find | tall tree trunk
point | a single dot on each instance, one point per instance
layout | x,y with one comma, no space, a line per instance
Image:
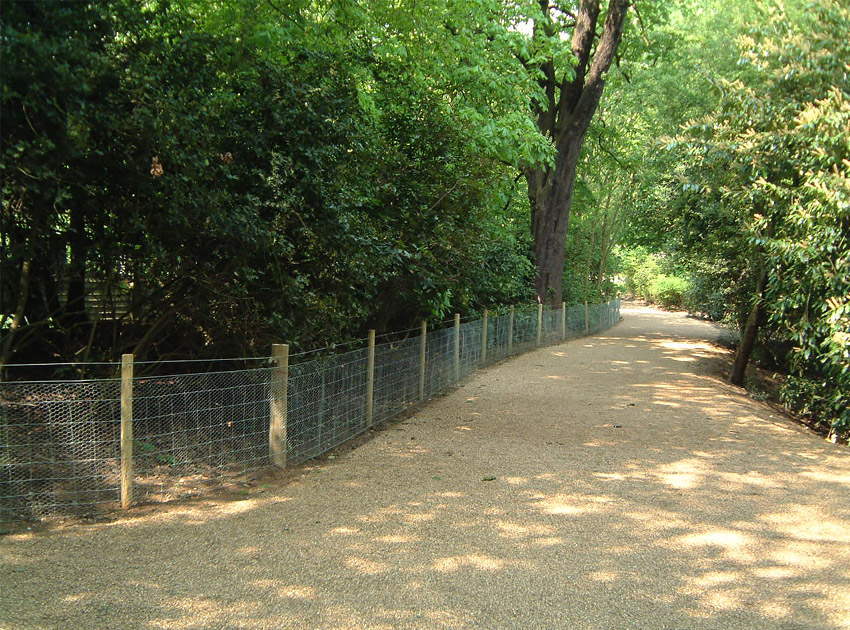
551,194
565,119
606,240
23,295
751,329
7,348
75,304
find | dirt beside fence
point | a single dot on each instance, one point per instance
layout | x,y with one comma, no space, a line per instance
609,482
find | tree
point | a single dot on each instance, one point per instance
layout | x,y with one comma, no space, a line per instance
525,78
772,160
572,96
193,179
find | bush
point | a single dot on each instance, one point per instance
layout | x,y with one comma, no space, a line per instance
638,268
668,291
704,298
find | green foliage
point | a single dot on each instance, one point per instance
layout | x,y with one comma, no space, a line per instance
653,277
190,179
195,179
709,293
639,268
669,291
799,151
771,163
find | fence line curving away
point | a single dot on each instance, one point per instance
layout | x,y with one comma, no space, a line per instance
78,447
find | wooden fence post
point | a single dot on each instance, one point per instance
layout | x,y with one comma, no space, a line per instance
511,330
278,404
423,332
484,339
321,412
370,377
126,431
539,322
457,346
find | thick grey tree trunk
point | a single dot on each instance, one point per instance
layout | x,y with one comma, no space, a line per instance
565,119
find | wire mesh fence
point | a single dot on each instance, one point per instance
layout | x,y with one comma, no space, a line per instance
61,444
197,426
326,404
59,448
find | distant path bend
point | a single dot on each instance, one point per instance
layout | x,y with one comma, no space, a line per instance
611,482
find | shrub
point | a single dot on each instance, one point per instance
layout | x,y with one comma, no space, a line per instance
638,268
704,298
668,291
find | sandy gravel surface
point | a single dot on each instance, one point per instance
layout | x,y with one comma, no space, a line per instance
610,482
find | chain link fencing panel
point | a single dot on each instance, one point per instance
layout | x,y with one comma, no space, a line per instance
396,378
60,440
551,332
525,329
498,327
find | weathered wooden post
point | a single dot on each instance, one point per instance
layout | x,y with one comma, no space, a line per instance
423,332
126,431
484,339
511,330
370,377
321,411
539,322
457,346
278,404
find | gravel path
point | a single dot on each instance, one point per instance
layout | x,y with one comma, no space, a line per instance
610,482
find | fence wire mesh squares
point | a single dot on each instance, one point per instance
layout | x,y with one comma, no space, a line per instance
498,328
439,360
470,347
525,329
396,377
196,427
327,404
59,447
551,330
575,320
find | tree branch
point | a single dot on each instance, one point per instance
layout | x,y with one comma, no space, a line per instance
613,156
284,14
581,45
612,33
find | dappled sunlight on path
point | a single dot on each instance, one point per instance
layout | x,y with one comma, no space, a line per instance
610,482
